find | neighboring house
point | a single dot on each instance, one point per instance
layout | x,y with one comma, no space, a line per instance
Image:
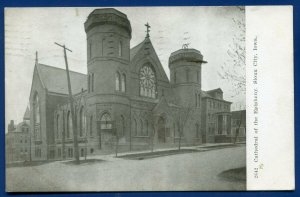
125,90
216,116
17,141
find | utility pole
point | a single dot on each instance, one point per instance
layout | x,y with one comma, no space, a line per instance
72,104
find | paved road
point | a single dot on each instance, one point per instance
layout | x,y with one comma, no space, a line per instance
191,171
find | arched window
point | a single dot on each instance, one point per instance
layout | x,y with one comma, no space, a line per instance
91,125
106,121
36,108
57,126
120,49
36,116
82,122
69,124
123,83
117,81
147,82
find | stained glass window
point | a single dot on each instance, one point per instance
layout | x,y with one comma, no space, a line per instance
147,82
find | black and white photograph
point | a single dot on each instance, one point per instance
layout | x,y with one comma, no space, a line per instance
125,99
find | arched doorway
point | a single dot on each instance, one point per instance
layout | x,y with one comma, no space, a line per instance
161,134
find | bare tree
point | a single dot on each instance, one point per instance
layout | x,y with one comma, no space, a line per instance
233,70
117,140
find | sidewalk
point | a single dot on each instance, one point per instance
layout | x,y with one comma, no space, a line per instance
200,148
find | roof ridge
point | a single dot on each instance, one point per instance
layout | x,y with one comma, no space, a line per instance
58,68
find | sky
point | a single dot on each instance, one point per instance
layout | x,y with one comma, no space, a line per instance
27,30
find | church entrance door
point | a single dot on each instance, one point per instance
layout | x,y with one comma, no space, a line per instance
161,130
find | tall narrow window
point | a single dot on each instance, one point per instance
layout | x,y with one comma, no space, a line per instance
57,126
82,122
141,128
36,114
147,82
123,83
198,76
118,81
36,109
199,99
196,98
120,49
69,124
147,128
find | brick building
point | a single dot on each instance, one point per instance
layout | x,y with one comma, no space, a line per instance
125,91
17,140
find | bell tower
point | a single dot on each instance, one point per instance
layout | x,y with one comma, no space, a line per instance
108,49
185,67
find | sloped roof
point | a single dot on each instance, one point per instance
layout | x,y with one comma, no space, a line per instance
206,94
215,90
135,50
55,79
27,114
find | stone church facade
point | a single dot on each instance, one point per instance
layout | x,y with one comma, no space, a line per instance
125,95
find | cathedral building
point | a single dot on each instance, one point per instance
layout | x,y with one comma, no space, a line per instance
125,96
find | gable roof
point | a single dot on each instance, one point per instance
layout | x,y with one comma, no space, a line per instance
135,50
26,114
215,90
146,44
55,79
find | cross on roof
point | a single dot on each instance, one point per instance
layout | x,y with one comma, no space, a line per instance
148,29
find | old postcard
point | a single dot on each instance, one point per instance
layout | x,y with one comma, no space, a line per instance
149,99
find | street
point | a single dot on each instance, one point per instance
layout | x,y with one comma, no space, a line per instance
189,171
